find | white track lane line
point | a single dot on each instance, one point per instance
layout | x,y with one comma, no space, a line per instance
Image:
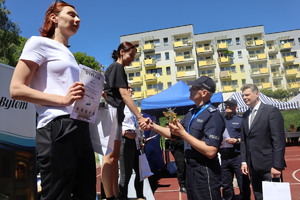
294,175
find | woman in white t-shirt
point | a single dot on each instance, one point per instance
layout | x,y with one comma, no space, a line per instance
47,75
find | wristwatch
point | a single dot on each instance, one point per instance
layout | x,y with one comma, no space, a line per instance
238,141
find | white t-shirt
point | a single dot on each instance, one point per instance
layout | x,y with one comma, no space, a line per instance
57,71
130,123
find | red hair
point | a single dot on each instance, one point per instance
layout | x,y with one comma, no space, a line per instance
48,28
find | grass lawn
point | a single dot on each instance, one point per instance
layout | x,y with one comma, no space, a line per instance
291,117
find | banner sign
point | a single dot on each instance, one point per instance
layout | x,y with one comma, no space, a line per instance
17,118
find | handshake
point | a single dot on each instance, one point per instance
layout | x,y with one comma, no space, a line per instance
173,129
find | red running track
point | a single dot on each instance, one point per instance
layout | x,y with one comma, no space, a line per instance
168,188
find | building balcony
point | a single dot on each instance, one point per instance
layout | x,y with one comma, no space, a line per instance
204,50
237,75
266,85
150,77
291,72
135,80
135,66
206,63
182,75
222,46
151,92
229,88
224,60
260,72
180,45
148,47
293,85
273,49
184,59
138,95
277,87
211,75
277,75
149,62
255,43
274,62
225,75
289,59
286,46
257,57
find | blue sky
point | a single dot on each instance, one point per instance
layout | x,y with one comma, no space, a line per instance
104,21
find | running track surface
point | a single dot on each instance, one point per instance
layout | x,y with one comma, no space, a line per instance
168,188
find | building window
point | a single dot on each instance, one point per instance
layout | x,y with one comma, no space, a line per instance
166,41
167,55
229,68
156,43
168,69
137,89
130,75
243,81
154,71
169,84
237,41
158,86
228,41
287,41
242,68
189,68
240,54
157,57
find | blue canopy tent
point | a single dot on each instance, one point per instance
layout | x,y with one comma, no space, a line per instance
175,97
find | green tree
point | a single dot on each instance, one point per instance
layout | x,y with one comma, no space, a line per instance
281,94
88,61
267,92
9,37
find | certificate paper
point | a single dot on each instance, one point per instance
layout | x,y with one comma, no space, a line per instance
85,109
224,144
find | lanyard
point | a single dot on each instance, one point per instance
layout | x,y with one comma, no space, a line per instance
196,115
134,120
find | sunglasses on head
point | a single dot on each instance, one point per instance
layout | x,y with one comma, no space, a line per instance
54,5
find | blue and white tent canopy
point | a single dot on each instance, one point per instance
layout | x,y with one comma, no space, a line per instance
242,107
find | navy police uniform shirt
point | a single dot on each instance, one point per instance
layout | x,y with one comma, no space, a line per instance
208,126
234,125
234,128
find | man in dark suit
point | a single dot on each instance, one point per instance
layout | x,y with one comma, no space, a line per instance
263,140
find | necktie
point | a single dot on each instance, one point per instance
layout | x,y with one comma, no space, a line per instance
252,116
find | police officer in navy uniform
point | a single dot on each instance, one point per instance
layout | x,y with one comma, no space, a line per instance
201,129
231,155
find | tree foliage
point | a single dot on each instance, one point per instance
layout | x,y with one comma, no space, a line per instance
9,37
279,94
88,61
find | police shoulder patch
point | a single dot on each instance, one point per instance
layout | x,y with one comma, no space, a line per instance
211,109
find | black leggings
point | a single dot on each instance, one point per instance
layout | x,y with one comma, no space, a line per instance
129,159
66,160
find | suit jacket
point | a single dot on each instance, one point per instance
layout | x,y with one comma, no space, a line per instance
263,144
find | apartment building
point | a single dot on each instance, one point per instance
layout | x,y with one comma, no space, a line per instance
231,57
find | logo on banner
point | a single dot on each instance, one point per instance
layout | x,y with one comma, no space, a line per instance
12,104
